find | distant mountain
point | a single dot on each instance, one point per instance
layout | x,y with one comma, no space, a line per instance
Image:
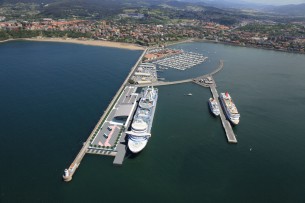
101,8
228,4
289,10
221,11
26,1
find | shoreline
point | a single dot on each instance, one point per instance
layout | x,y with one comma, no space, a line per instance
231,44
119,45
7,40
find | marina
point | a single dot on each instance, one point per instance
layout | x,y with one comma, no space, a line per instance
181,61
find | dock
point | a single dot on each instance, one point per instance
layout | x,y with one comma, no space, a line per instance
208,81
121,151
225,123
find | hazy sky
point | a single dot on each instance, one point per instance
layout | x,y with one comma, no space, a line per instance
276,2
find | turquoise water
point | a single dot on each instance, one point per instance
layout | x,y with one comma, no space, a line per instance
53,94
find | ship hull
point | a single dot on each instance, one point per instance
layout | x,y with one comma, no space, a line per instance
213,111
227,113
137,146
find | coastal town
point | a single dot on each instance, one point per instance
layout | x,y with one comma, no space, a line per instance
252,33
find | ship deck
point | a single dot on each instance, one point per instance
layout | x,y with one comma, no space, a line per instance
231,106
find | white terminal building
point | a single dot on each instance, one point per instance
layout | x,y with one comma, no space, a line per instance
145,73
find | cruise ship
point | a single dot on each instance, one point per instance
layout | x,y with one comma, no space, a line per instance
142,121
229,108
214,107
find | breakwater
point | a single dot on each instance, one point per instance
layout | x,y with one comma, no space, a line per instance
76,162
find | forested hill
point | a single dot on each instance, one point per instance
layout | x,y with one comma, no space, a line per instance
105,8
155,11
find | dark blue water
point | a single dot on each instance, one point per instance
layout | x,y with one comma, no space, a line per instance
53,94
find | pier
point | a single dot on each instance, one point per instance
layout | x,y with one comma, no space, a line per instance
225,123
208,81
121,151
198,80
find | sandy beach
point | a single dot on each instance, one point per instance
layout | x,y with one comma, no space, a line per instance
7,40
86,42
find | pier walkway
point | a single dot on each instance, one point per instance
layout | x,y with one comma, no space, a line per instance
225,123
195,80
121,151
162,83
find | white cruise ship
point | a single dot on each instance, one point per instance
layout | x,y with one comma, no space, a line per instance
142,122
229,108
214,107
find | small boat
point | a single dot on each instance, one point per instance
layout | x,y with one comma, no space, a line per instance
214,107
189,94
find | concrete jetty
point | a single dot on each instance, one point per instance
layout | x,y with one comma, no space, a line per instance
162,83
121,151
196,80
225,123
208,81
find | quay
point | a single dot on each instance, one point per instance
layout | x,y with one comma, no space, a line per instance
208,81
69,172
225,123
121,151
